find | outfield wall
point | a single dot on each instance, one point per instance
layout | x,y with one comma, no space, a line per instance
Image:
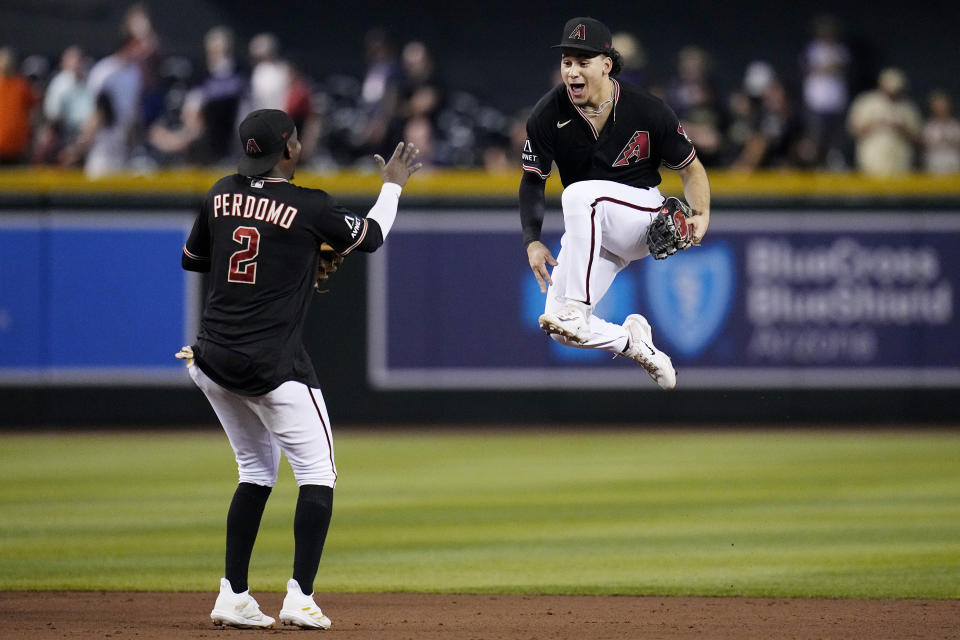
832,303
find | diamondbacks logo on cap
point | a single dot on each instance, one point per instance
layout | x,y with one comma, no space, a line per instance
579,33
252,147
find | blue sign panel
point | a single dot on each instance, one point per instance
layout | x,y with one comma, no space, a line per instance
775,299
90,299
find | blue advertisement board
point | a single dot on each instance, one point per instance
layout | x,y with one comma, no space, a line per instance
775,299
94,299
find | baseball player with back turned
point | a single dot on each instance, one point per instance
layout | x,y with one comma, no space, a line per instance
608,140
261,239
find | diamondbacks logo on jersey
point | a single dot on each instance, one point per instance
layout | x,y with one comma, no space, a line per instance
252,147
638,148
579,33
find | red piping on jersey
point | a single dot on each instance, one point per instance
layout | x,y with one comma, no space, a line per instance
326,433
593,236
626,204
363,233
616,98
192,256
272,179
536,171
593,244
686,161
593,129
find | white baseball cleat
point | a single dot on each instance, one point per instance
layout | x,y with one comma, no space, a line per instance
572,322
642,351
238,609
300,610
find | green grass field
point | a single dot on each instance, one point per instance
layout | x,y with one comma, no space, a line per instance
806,513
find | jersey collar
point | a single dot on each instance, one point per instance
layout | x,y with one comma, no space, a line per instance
613,114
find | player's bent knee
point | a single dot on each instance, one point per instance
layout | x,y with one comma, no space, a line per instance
577,198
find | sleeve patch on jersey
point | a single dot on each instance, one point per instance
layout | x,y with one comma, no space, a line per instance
528,155
353,224
363,234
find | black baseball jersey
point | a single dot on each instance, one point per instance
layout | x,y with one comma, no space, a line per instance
259,238
640,133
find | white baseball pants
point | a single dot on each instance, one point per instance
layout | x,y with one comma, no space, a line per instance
605,229
292,418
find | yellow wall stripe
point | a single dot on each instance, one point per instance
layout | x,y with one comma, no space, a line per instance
470,183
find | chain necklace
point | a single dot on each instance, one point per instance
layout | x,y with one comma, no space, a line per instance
600,109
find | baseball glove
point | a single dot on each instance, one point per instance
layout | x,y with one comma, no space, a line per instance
669,231
327,264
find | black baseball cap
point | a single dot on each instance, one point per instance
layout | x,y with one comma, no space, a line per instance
263,136
585,34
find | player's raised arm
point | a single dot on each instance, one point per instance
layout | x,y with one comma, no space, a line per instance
395,173
402,164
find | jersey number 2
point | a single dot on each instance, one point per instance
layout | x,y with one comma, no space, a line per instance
243,263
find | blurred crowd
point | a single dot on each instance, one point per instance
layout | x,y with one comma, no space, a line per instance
141,108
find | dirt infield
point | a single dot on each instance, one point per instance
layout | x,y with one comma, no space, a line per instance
89,615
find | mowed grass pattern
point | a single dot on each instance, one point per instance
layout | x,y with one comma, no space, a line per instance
758,513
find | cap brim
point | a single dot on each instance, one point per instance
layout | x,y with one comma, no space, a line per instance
580,48
250,166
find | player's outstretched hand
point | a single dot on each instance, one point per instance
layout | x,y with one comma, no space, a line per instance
539,256
402,164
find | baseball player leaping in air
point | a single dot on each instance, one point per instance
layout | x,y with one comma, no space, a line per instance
608,140
262,240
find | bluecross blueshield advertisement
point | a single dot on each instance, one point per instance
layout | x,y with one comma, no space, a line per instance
772,299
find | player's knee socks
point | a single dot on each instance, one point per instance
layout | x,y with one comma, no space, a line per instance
310,524
243,522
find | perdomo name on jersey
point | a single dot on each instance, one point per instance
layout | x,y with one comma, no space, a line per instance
246,206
